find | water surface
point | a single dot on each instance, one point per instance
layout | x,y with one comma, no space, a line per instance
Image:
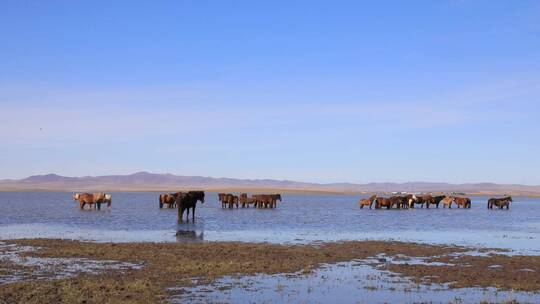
300,218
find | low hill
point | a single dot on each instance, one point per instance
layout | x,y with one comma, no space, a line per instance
144,181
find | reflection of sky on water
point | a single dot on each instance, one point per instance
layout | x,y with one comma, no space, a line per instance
350,282
298,219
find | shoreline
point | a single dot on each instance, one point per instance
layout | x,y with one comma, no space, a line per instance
169,265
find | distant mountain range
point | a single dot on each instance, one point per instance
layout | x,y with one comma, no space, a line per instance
144,181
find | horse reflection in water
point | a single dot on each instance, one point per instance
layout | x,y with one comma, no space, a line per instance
188,235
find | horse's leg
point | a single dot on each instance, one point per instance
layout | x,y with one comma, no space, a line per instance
193,213
81,204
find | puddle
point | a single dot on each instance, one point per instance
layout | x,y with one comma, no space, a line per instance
351,282
35,268
401,259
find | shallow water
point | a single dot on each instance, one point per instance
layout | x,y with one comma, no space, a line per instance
38,268
300,218
351,282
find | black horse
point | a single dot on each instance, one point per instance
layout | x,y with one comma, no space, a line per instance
435,200
500,202
188,200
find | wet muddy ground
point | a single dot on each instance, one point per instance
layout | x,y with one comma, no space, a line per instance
49,270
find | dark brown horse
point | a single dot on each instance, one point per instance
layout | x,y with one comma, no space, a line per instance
464,202
398,202
275,198
435,200
367,201
419,200
500,202
403,202
186,201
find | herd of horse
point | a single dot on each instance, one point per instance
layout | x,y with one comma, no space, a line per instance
257,200
186,201
410,200
93,199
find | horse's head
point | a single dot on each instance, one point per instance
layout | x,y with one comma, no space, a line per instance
197,195
108,198
201,196
278,197
76,196
510,199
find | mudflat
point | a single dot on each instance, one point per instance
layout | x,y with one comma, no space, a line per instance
168,265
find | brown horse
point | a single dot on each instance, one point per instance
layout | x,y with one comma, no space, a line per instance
367,201
92,199
500,202
230,200
257,200
447,201
269,200
245,201
462,202
383,202
221,198
168,199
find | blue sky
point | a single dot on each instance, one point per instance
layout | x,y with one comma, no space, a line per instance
321,91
